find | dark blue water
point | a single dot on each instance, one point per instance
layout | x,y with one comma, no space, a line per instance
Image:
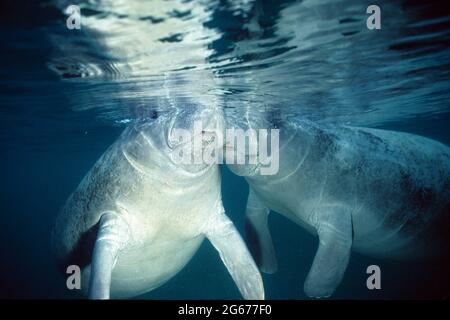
66,95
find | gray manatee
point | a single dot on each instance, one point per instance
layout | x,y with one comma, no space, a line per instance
137,217
378,192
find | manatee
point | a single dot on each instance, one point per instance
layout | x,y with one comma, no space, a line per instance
381,193
138,216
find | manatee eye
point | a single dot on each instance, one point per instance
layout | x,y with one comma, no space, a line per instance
153,114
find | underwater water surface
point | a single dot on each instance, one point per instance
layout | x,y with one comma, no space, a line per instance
66,95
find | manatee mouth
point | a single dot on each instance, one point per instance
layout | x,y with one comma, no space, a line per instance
194,150
251,164
255,169
210,137
205,142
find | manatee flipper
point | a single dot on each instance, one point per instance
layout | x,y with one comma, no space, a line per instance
233,252
112,236
258,234
334,227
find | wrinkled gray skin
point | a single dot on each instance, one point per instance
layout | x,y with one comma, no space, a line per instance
381,193
137,217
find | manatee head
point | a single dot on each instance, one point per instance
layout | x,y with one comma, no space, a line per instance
252,148
185,137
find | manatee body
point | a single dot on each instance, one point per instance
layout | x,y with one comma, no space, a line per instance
138,217
381,193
